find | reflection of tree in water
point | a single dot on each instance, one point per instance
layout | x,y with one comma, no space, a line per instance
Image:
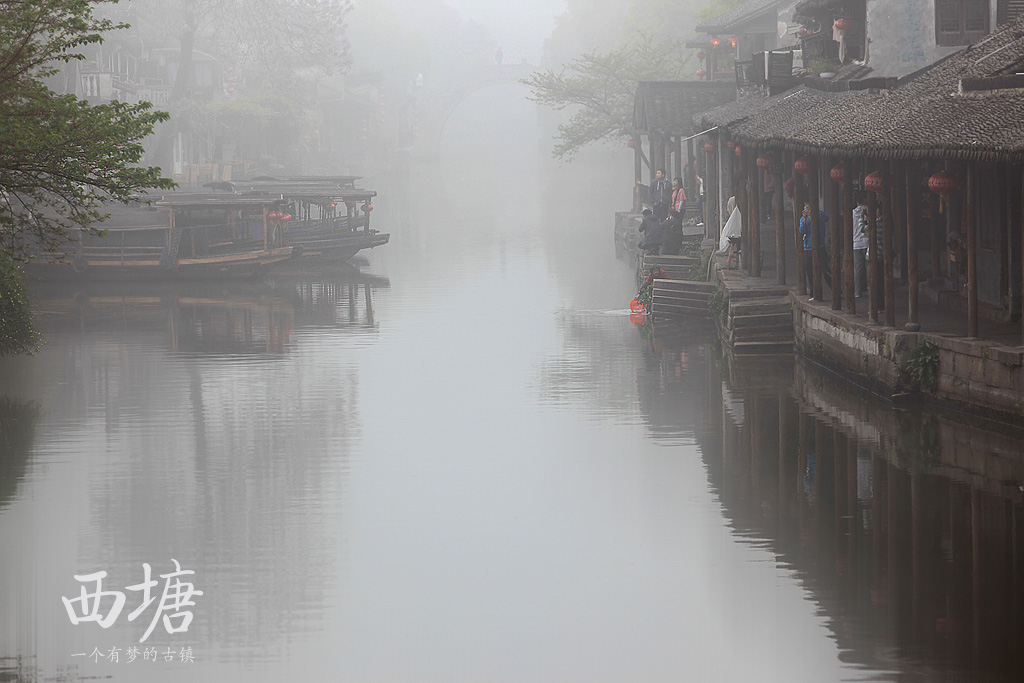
223,455
18,421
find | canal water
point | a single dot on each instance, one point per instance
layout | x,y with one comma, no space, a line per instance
461,461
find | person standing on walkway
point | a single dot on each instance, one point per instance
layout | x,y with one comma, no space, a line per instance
808,251
660,195
860,246
678,198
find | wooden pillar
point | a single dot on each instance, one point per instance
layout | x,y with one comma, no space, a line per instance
653,155
755,214
678,151
972,251
938,235
912,324
1021,214
1005,190
874,267
887,247
836,232
817,248
798,205
898,188
638,170
742,202
780,224
848,278
266,241
690,178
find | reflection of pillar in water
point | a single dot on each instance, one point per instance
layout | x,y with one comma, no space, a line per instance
852,510
352,302
369,305
976,540
916,543
801,471
785,416
879,517
899,543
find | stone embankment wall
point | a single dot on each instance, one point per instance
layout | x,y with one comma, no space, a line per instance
981,377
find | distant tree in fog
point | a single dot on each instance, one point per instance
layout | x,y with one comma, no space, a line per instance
281,39
598,89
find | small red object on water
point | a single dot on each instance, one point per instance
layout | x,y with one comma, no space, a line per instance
637,318
636,306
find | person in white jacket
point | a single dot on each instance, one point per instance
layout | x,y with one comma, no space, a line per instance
860,246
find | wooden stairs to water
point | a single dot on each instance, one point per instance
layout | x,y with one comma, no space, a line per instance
760,321
677,267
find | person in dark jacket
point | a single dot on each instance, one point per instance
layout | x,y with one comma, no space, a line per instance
672,233
660,195
652,230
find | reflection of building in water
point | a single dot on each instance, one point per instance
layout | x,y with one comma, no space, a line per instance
907,528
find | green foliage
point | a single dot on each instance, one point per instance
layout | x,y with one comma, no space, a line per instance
922,368
17,335
61,159
821,66
718,304
600,88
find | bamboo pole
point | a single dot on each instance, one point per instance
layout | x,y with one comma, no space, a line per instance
887,248
912,324
816,235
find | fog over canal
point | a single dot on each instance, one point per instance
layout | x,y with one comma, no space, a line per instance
464,463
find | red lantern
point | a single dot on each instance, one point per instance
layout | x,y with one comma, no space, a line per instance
841,25
709,147
731,144
873,182
802,165
764,161
700,55
837,173
943,183
790,187
367,207
716,42
734,40
631,143
738,151
286,217
701,73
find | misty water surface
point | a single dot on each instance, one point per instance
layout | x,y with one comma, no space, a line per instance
463,464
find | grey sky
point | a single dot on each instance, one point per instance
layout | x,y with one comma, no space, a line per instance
520,26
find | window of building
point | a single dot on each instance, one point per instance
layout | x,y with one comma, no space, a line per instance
1008,10
960,22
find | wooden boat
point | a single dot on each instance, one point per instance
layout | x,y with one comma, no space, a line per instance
181,236
326,219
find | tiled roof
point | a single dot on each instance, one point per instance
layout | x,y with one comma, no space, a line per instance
670,106
925,117
728,21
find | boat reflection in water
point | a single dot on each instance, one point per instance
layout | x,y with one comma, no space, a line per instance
906,527
214,318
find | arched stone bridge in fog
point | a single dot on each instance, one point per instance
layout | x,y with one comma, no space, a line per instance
438,99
